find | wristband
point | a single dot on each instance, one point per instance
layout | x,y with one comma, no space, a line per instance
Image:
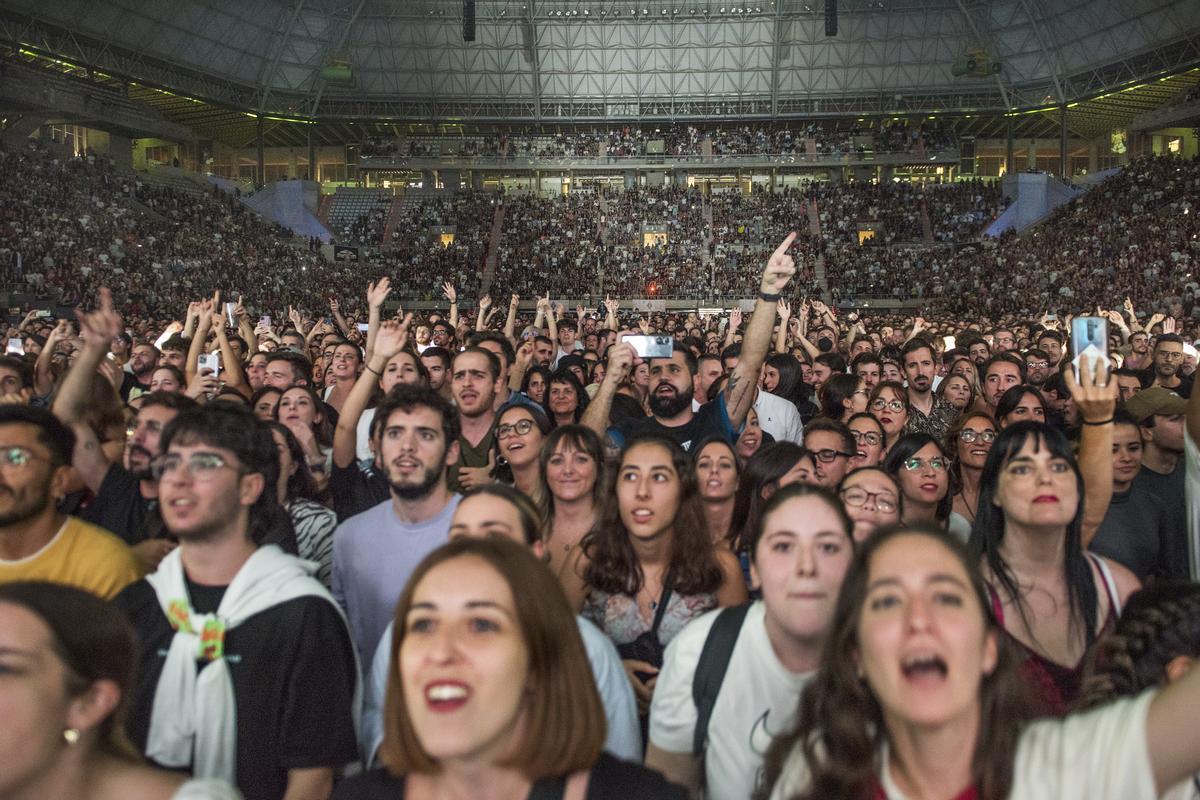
770,298
377,372
1099,421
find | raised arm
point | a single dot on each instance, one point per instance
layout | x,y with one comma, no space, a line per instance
521,364
203,324
43,377
1096,404
235,375
735,322
451,294
510,322
377,293
335,308
97,329
620,362
785,315
245,328
551,322
739,393
610,307
481,318
389,341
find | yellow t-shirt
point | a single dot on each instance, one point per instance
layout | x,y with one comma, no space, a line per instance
80,555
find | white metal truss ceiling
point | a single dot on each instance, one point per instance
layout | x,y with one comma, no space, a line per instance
568,60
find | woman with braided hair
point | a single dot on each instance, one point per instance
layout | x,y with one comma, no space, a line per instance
1156,642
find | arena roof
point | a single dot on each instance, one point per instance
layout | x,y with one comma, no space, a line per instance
215,64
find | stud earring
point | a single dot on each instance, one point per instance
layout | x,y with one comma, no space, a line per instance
71,735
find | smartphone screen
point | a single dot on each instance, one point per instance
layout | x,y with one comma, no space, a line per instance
1089,337
652,346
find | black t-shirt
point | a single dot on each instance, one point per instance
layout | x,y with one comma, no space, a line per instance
1134,534
711,420
611,779
129,383
1184,389
293,674
355,489
119,507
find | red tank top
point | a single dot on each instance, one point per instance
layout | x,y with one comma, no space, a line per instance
1055,687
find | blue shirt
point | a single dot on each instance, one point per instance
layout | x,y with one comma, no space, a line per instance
373,555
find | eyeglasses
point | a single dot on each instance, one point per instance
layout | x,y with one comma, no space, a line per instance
1036,364
1169,356
827,455
969,436
202,467
914,464
854,496
16,457
516,429
881,404
870,437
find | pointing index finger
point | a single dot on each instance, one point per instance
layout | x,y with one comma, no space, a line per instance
783,248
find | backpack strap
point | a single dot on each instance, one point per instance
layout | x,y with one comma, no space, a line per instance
712,666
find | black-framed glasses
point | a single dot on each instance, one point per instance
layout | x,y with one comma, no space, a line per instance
828,454
518,428
870,437
858,497
1036,364
969,436
914,464
201,467
880,404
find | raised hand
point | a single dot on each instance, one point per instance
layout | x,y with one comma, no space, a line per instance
785,310
620,362
100,327
294,316
1170,326
334,306
735,319
239,310
378,292
449,292
514,301
1129,307
392,337
780,268
1095,399
611,306
485,303
644,326
579,313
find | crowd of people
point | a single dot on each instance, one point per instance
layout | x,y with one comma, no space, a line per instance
263,536
827,137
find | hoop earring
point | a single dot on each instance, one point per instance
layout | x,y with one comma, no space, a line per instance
71,736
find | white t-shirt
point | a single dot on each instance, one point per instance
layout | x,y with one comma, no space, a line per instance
757,701
779,417
1100,755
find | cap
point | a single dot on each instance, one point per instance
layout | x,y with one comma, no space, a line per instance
1154,401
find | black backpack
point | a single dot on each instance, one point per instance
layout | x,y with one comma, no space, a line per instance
711,668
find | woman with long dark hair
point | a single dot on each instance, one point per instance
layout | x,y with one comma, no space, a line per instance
536,383
1053,600
571,471
313,522
767,471
843,396
921,470
889,405
649,566
717,472
520,430
919,694
1021,403
968,442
